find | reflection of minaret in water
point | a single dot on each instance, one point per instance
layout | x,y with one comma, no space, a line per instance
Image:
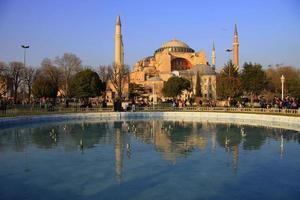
128,150
281,146
227,143
118,154
235,156
81,145
214,138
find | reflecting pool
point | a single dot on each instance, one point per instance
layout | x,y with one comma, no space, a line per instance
152,159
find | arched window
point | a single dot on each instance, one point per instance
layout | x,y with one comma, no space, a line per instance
180,64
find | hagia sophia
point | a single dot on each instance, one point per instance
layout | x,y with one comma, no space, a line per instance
174,58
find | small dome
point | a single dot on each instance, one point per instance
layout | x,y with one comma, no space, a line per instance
175,46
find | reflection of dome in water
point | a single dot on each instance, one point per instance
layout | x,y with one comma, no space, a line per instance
175,46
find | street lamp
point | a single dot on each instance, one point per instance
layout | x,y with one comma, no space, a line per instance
282,83
229,71
228,51
25,47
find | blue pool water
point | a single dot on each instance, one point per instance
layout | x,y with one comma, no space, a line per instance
152,159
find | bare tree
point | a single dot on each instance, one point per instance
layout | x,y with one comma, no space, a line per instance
16,74
51,73
69,64
29,73
105,72
118,78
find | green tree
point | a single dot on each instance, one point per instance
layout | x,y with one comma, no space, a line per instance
135,90
293,86
87,84
175,85
230,70
254,79
228,81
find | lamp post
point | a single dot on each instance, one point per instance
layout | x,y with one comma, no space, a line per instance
229,71
228,51
282,84
25,47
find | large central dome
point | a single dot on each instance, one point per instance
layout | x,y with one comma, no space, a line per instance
175,46
174,43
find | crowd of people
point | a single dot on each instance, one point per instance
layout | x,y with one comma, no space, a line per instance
286,103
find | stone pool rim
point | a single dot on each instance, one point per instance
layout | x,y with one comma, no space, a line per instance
264,120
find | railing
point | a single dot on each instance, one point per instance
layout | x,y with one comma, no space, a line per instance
224,109
61,110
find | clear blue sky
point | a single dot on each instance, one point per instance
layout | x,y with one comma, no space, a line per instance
269,30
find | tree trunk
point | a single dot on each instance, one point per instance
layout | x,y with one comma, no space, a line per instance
15,93
119,89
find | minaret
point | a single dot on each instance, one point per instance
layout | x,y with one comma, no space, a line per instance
213,57
236,48
118,43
